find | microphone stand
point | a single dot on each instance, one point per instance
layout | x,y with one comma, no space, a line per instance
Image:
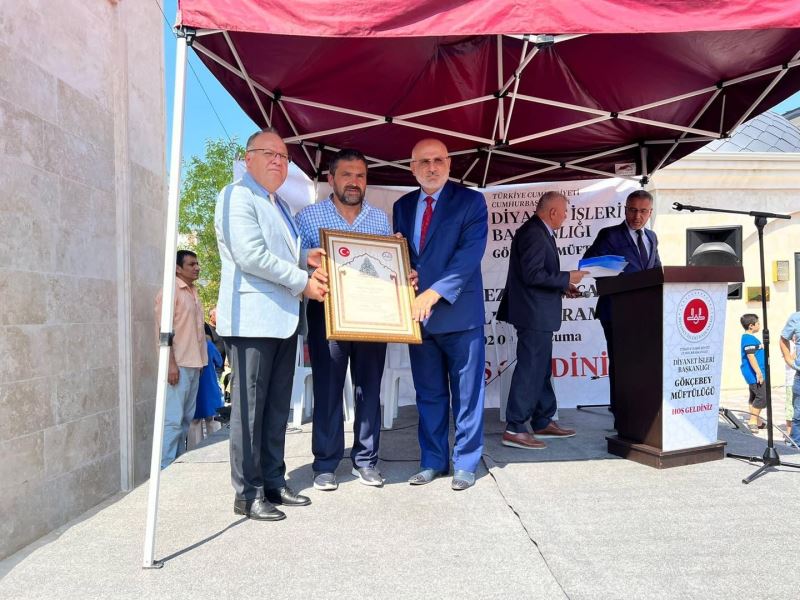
770,459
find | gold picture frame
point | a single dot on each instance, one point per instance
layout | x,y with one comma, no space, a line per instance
370,298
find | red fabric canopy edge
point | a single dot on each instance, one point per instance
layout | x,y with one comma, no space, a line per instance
415,18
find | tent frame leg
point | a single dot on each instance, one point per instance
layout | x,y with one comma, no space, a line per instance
184,40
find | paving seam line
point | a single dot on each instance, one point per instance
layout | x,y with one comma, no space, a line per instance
489,464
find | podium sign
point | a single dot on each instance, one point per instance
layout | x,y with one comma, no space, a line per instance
668,330
694,328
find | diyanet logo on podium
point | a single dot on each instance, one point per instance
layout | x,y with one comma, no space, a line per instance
695,315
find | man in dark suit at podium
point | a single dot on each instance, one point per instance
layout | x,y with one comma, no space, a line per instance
638,245
532,304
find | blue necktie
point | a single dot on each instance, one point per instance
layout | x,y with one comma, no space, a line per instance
642,249
285,215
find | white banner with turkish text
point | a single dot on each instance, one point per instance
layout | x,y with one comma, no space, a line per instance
580,362
694,328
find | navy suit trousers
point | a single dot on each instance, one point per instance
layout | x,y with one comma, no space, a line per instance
531,396
329,360
448,369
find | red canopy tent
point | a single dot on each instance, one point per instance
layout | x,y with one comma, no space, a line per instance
519,91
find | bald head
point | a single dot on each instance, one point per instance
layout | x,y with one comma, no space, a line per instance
430,164
552,209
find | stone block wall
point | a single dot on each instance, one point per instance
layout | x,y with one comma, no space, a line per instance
81,236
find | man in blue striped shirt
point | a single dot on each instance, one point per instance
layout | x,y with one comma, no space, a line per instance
344,210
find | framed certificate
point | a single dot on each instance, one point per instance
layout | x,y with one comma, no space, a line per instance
370,297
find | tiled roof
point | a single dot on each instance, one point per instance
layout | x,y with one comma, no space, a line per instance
768,132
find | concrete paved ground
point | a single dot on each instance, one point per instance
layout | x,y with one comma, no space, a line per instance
570,521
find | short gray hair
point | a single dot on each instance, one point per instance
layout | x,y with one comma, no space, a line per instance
547,199
252,138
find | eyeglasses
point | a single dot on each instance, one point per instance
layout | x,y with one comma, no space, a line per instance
638,211
426,163
270,155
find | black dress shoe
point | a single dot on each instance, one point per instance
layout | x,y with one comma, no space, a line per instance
286,497
258,509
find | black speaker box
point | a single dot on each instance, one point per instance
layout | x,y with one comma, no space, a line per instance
716,247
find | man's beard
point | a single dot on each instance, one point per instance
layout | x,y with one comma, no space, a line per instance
341,195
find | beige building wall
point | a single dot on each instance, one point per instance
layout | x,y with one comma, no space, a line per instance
81,237
746,181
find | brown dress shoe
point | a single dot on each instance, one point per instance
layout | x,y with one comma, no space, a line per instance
522,440
554,431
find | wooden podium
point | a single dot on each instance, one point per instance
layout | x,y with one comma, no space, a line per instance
668,328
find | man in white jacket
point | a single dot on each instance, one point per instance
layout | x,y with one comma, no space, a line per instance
259,314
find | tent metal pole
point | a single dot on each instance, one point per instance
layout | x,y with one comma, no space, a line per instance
535,159
455,134
308,136
686,96
228,39
524,60
437,109
320,105
317,160
471,166
705,132
643,159
763,94
523,175
463,181
294,129
500,119
220,61
168,297
601,154
557,104
486,168
768,71
602,173
542,134
680,140
697,117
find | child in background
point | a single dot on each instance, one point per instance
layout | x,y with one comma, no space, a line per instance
752,351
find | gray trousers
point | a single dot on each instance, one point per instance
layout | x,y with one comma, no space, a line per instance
263,369
181,400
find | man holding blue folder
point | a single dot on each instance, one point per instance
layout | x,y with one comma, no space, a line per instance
636,244
532,304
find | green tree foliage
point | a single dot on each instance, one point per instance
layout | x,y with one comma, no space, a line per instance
204,178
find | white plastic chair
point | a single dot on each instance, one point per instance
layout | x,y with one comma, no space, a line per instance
303,390
302,386
349,399
391,394
505,375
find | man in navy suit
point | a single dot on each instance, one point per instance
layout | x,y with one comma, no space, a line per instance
447,226
532,304
638,245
